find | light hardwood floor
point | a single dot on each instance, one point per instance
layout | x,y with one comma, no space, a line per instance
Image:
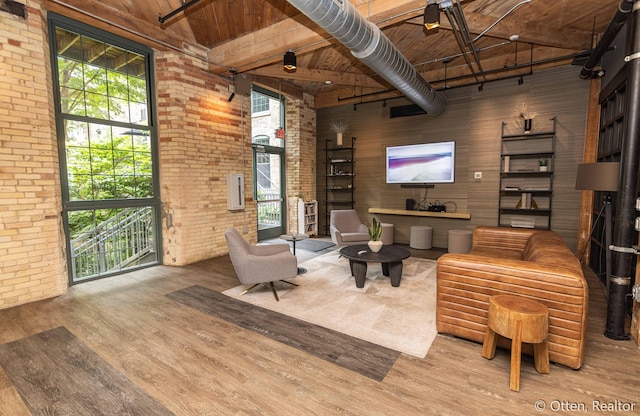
196,364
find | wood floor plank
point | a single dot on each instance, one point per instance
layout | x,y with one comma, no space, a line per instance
361,356
56,374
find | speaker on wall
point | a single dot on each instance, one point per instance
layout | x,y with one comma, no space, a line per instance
410,204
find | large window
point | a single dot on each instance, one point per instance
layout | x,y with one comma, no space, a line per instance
259,103
108,153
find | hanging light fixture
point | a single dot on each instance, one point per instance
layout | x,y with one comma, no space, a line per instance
232,87
432,16
290,61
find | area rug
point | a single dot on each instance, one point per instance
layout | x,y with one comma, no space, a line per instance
56,374
401,318
309,244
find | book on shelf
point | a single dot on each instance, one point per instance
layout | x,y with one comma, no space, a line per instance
511,188
507,161
532,188
525,201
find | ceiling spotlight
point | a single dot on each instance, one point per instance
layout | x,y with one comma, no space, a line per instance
290,61
481,87
520,81
355,107
384,103
432,16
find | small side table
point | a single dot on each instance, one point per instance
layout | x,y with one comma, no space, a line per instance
293,238
522,320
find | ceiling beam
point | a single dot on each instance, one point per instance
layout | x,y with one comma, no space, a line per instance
266,46
97,14
317,75
563,37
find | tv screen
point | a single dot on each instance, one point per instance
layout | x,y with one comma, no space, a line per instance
426,163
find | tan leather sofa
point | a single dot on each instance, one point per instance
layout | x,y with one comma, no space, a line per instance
532,263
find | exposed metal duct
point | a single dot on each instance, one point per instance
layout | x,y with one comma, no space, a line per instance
619,19
367,43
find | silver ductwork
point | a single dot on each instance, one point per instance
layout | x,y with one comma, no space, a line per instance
367,43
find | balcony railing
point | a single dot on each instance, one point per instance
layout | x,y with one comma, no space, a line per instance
269,210
120,242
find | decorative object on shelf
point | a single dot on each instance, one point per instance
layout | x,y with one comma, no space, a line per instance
523,113
339,128
527,202
544,164
528,123
375,232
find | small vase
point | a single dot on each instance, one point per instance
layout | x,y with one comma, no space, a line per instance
375,246
543,168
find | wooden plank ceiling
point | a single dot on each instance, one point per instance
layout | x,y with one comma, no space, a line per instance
251,37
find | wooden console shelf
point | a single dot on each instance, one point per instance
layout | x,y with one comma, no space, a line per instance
454,215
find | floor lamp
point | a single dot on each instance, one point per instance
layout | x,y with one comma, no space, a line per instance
604,177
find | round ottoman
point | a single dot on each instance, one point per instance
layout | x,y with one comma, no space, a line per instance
387,234
459,241
420,237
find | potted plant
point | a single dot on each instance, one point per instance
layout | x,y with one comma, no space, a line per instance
375,232
544,164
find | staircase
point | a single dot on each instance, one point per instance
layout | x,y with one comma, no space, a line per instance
122,241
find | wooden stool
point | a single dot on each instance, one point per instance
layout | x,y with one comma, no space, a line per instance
522,320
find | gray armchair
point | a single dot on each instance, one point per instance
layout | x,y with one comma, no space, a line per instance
260,264
346,228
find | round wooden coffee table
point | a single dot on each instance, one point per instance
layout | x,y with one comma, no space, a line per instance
390,256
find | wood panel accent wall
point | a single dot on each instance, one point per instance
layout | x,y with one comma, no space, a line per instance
473,119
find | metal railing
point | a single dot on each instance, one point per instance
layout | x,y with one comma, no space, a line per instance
119,242
269,207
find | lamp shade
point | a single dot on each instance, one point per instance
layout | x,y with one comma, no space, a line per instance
602,176
290,60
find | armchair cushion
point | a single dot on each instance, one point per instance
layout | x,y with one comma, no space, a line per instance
346,228
260,263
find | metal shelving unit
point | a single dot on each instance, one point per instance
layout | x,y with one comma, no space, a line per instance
339,178
525,189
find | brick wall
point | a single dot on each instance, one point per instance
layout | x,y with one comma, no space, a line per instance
201,141
32,258
300,154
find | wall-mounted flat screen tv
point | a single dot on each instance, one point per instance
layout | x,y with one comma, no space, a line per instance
427,163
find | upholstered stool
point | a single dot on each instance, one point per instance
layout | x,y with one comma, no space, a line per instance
522,320
420,237
459,241
387,234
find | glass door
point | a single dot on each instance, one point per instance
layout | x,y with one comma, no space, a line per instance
267,118
269,190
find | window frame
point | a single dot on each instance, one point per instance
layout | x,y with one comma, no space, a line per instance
58,21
